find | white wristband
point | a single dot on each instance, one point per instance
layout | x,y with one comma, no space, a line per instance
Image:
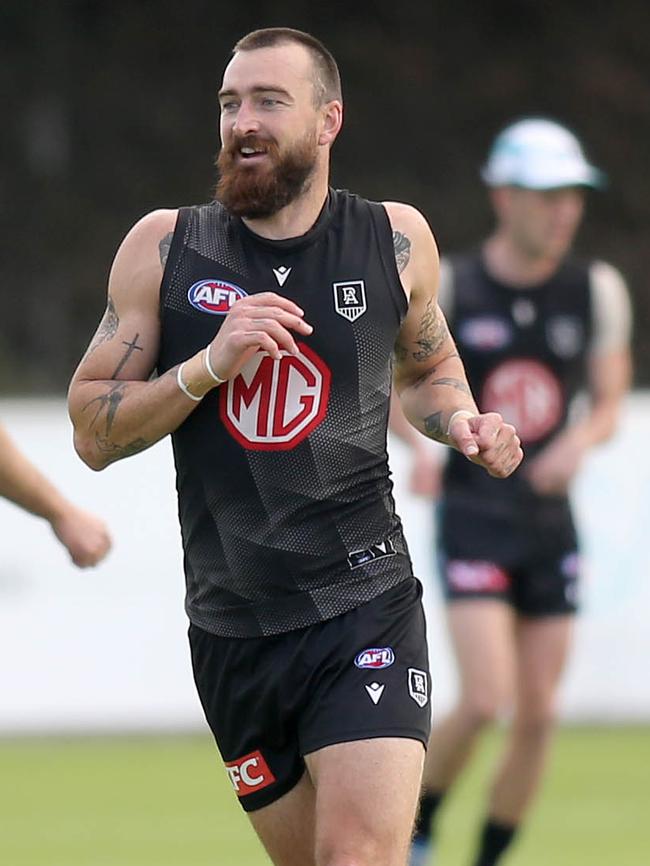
208,367
183,386
455,415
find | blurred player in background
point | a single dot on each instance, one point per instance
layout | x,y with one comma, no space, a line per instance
84,535
535,326
272,316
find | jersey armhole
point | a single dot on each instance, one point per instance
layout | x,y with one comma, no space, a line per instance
176,248
384,232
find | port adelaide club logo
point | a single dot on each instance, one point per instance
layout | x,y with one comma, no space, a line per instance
350,299
215,297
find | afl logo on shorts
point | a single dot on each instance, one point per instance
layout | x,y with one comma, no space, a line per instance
375,658
272,405
214,296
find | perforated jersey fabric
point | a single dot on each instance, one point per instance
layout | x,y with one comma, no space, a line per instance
285,499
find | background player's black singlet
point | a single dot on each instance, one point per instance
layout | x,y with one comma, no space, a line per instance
525,354
285,499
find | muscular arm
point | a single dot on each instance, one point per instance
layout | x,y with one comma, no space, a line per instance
116,411
428,374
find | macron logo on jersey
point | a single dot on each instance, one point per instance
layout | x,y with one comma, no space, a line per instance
281,274
214,296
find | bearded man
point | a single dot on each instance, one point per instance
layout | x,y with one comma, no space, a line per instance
272,316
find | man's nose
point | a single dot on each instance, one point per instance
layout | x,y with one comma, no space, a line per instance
246,121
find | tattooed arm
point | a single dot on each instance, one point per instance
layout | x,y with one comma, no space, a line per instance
116,411
429,376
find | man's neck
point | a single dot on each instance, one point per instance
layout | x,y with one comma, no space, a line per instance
514,267
296,218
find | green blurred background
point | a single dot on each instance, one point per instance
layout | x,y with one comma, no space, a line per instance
167,802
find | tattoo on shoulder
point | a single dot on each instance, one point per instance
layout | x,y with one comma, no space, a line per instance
107,327
432,333
164,247
402,247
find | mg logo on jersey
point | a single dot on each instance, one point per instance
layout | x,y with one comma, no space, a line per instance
214,296
272,405
375,658
249,773
350,299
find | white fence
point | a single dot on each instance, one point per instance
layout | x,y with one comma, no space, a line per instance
106,649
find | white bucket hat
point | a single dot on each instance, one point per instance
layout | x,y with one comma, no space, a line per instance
539,154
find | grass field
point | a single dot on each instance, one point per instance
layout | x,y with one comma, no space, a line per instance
167,802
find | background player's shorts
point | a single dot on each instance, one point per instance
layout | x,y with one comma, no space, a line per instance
271,700
523,553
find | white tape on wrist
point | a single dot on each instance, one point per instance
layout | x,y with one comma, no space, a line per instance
457,414
208,367
183,386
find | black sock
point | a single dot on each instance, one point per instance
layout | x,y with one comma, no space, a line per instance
495,838
429,802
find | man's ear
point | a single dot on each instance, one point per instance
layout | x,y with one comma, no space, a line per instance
332,120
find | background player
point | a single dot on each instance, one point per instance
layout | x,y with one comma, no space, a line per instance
535,327
272,316
84,536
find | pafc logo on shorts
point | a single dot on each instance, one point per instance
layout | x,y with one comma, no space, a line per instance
249,773
375,658
418,686
214,296
350,299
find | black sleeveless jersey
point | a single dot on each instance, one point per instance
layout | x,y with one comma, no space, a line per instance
525,353
285,499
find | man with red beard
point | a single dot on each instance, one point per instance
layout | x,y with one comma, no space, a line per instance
272,316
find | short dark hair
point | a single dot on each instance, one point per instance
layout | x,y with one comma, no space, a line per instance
327,81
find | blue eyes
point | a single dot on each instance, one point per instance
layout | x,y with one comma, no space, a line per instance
264,102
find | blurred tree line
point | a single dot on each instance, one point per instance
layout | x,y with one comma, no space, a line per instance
110,111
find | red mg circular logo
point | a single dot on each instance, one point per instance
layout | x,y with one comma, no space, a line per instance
527,394
273,405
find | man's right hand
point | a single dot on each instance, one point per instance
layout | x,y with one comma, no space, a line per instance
263,321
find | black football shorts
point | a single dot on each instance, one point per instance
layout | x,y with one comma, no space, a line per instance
272,700
524,553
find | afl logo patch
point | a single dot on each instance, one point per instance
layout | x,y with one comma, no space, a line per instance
214,296
375,658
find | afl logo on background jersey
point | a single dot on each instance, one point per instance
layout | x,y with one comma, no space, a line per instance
375,658
272,405
214,296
